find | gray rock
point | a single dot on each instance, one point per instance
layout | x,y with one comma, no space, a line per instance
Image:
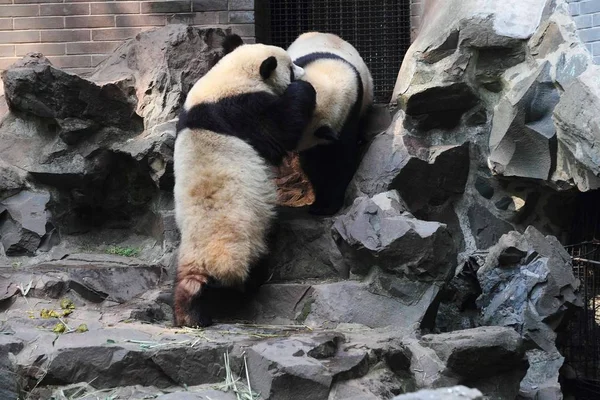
378,231
381,383
202,395
34,86
522,129
11,180
94,277
491,359
155,69
577,130
541,381
479,352
284,369
425,176
486,227
354,302
9,388
532,295
451,393
303,248
24,221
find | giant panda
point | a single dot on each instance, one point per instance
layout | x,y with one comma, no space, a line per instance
329,149
238,122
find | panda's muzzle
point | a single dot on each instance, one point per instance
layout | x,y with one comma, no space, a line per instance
298,72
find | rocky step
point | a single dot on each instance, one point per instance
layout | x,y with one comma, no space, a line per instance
101,346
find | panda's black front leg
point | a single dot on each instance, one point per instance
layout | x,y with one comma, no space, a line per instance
330,169
295,111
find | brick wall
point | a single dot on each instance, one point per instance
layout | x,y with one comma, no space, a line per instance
78,34
587,17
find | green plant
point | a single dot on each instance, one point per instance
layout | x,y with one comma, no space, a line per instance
123,251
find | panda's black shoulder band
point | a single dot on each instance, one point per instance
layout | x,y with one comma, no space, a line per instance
271,124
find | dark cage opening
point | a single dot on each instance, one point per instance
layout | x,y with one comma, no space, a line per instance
379,29
580,341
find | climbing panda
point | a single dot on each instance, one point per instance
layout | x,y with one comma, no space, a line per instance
238,121
329,149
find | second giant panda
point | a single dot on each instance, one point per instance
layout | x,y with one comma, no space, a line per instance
238,120
329,149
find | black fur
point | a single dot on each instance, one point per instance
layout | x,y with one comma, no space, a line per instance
267,67
272,125
330,167
231,43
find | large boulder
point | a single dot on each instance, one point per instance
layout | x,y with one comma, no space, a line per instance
579,131
78,106
409,259
25,223
379,231
425,175
103,146
158,67
527,283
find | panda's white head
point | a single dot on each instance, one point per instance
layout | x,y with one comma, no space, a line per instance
245,68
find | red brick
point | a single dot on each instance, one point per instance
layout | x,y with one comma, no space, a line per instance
6,24
7,51
47,49
209,5
71,61
141,20
7,62
71,35
126,7
65,9
178,6
241,5
19,36
20,11
91,21
91,47
39,23
114,33
6,2
205,18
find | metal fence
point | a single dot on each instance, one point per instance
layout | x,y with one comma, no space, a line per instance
580,341
379,29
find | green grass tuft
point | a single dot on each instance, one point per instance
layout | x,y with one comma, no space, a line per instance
123,251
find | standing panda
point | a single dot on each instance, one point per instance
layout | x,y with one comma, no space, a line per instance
329,149
238,120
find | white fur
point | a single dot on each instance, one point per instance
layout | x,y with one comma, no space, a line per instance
312,42
224,192
224,203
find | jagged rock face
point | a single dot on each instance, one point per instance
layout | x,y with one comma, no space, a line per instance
527,283
378,231
157,68
25,224
102,147
490,129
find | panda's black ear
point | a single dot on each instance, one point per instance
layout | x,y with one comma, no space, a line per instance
231,43
267,67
